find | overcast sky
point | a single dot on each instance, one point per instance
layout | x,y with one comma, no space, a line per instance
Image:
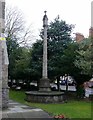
76,12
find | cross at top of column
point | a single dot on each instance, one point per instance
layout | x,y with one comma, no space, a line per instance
45,20
45,12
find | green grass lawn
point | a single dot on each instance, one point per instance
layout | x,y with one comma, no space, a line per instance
71,109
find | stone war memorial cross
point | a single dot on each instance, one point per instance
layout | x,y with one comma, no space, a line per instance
3,59
44,94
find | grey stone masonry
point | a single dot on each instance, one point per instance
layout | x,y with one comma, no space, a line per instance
0,75
4,84
3,60
5,97
44,84
3,80
2,15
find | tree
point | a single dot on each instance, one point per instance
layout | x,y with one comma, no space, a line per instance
15,27
83,59
83,62
22,64
14,22
69,56
59,36
59,39
13,54
17,35
36,60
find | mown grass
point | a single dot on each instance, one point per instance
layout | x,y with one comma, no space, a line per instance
71,109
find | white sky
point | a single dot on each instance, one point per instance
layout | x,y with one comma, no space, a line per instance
76,12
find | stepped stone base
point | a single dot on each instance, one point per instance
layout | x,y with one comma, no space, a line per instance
44,97
44,85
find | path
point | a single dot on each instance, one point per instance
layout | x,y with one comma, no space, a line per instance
17,110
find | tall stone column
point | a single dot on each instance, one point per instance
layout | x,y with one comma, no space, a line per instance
44,82
92,14
45,25
3,58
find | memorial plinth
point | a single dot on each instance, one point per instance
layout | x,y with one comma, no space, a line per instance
44,97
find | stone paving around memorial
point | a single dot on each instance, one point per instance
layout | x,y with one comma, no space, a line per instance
17,110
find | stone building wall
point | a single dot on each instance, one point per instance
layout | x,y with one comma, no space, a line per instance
4,82
0,76
3,60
